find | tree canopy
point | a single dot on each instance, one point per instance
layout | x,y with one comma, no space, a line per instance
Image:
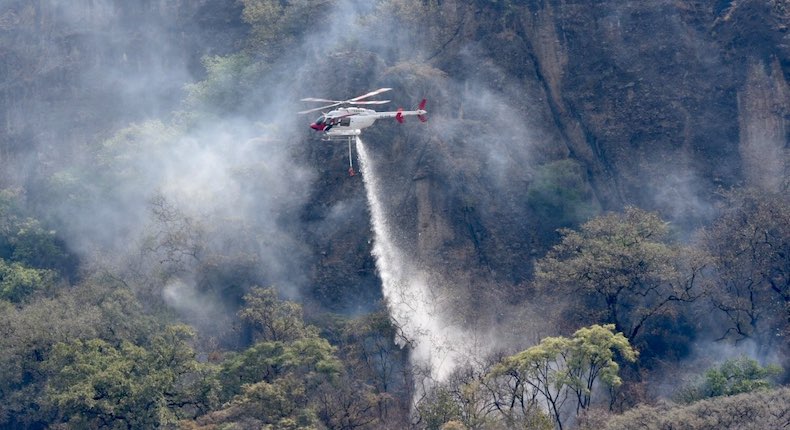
620,268
559,368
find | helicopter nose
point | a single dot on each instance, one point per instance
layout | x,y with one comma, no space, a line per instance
315,126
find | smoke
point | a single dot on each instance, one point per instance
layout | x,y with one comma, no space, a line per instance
199,204
197,308
207,202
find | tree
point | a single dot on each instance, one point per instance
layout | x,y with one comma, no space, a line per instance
368,351
757,410
28,334
227,81
560,194
560,367
277,26
734,376
517,402
274,383
25,240
272,319
95,384
621,269
312,358
749,244
17,282
439,408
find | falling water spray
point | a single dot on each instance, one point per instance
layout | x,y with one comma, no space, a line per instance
413,303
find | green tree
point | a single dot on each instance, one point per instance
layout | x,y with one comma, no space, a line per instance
17,282
273,319
275,384
311,358
559,367
227,81
25,240
591,358
439,408
28,334
278,26
560,194
95,384
734,376
621,269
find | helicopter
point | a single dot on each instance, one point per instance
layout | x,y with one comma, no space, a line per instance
346,122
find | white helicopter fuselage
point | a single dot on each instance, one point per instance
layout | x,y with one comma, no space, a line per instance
350,121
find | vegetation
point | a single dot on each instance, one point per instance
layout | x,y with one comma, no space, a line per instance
749,244
96,331
734,376
560,368
559,188
621,269
758,410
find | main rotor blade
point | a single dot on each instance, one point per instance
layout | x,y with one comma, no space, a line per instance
370,94
313,99
370,102
318,108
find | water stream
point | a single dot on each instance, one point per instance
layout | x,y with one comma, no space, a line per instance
407,287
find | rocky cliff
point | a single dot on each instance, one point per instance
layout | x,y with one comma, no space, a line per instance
542,113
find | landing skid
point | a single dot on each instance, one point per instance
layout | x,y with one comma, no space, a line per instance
349,138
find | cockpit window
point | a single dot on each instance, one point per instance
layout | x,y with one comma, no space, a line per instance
320,120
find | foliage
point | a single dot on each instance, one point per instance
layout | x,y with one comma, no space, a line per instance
94,384
559,194
621,269
734,376
227,80
97,385
272,319
28,334
750,411
18,282
277,26
133,152
113,185
25,240
263,405
558,368
311,358
283,380
440,408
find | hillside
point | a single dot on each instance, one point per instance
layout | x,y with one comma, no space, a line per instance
585,163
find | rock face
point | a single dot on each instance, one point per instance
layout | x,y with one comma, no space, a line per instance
659,103
654,103
763,104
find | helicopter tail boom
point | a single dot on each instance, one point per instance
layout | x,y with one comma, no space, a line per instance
401,114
